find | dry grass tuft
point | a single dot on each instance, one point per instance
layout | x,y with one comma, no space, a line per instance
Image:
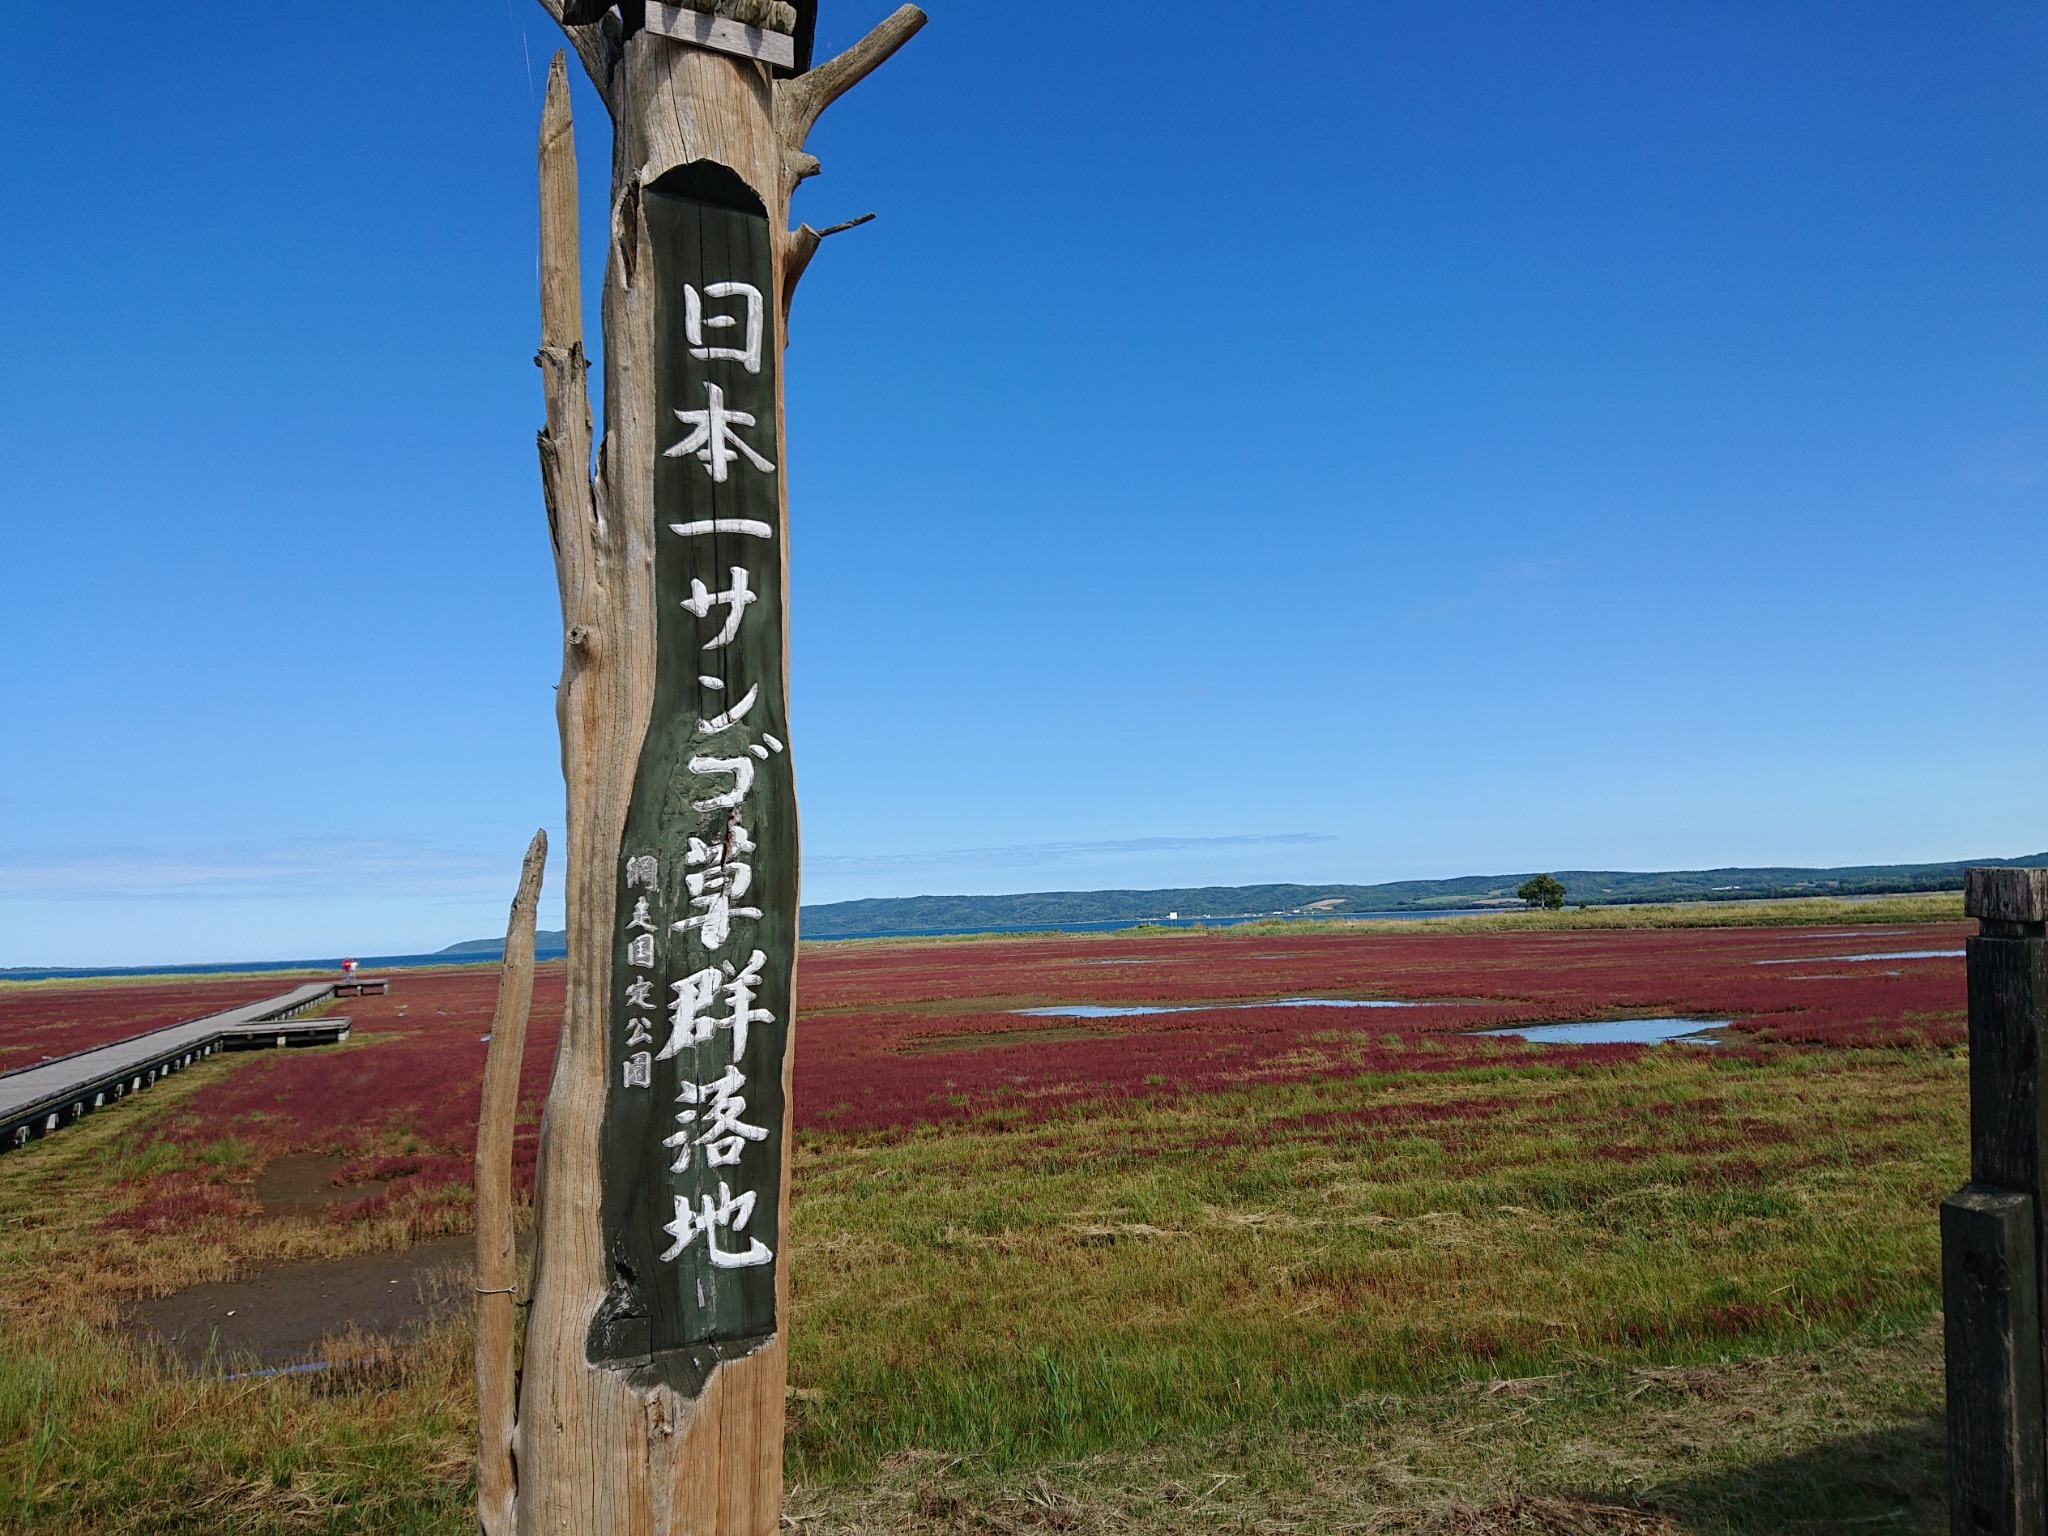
1524,1514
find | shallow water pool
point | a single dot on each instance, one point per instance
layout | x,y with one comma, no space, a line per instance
1615,1032
1893,954
1100,1011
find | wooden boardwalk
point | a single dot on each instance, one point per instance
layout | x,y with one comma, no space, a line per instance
34,1101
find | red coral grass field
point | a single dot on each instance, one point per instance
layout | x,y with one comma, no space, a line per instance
895,1036
1024,1235
1767,976
56,1018
407,1081
958,1041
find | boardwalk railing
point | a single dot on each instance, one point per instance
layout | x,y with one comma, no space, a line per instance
34,1101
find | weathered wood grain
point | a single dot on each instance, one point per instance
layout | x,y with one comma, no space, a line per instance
686,24
1991,1311
2008,984
1995,1289
596,36
496,1309
774,15
603,1450
2006,895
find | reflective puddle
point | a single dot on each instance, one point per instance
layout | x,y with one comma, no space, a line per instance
1895,954
1615,1032
1099,1011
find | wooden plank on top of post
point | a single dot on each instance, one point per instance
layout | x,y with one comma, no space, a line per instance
705,30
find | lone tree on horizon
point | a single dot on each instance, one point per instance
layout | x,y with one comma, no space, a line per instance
1545,891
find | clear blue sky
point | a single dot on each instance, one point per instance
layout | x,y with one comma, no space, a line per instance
1452,438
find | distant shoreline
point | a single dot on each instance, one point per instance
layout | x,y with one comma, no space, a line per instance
1400,900
1899,907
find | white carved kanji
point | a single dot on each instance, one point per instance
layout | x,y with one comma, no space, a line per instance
714,892
713,438
751,526
735,600
742,773
688,1023
696,323
713,1123
729,1212
725,720
737,840
740,993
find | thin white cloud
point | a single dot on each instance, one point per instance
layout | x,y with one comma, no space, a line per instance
373,869
1028,854
1507,582
298,867
2011,461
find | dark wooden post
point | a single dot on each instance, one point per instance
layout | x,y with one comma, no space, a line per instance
1994,1363
1992,1253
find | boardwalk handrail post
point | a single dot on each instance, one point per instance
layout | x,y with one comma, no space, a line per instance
1993,1255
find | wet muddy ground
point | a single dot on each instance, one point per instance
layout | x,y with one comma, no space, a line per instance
287,1315
312,1312
301,1183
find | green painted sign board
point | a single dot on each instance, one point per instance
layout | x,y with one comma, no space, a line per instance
706,929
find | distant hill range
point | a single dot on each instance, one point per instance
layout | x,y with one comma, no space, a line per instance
884,915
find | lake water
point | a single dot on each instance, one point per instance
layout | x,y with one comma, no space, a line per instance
1614,1032
374,963
370,965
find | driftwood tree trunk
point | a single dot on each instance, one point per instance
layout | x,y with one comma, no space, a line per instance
496,1274
602,1449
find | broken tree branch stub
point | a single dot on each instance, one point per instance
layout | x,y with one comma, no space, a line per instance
652,1393
496,1273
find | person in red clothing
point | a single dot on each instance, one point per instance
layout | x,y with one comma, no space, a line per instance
348,970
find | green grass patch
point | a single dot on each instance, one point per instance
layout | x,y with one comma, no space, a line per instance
1141,1274
1697,1284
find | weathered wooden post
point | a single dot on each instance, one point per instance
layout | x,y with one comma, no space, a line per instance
1992,1251
651,1399
496,1287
